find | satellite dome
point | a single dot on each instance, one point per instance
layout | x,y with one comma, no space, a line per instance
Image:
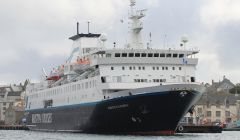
184,38
103,37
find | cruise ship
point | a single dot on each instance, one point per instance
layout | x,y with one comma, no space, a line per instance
133,89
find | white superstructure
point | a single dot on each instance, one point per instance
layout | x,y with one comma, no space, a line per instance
93,73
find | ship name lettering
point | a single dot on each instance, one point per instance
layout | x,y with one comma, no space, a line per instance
118,106
42,118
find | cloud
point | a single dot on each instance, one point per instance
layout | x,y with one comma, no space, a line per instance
220,12
34,34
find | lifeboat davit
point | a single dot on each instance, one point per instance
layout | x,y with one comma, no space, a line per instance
54,77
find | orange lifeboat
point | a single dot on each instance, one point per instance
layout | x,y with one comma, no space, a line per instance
54,77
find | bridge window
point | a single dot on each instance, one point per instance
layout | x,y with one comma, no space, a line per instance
117,54
150,55
137,54
175,55
156,54
180,68
130,54
124,54
112,68
143,55
181,55
169,55
162,55
123,68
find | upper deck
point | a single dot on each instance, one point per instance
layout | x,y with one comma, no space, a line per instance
142,56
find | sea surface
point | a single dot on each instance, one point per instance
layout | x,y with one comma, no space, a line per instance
33,135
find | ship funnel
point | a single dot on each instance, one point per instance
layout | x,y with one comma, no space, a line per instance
77,28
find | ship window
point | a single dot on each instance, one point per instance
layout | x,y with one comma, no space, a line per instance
130,68
169,55
130,55
166,68
150,55
180,68
142,80
156,54
133,67
181,55
108,55
143,68
138,80
175,55
153,68
139,68
103,79
143,55
117,54
173,68
162,55
157,68
163,68
48,103
192,79
137,54
112,68
157,80
124,54
123,68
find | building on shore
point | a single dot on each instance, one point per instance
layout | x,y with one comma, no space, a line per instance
11,104
217,105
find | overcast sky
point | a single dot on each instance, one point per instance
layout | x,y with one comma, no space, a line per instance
34,33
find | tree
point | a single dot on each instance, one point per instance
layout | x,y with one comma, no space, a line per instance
234,90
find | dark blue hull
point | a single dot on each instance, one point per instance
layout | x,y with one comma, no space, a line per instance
142,114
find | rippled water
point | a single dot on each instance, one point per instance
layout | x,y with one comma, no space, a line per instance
32,135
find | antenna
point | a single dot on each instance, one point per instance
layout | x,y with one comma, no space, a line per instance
184,39
77,28
133,2
88,26
150,39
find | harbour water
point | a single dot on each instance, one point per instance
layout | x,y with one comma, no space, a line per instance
33,135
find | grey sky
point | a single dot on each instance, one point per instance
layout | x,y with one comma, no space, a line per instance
34,34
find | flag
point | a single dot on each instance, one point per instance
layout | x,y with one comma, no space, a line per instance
184,61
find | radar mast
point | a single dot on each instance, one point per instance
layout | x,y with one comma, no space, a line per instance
135,26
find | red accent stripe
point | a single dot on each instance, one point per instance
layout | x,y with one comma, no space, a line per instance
165,132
